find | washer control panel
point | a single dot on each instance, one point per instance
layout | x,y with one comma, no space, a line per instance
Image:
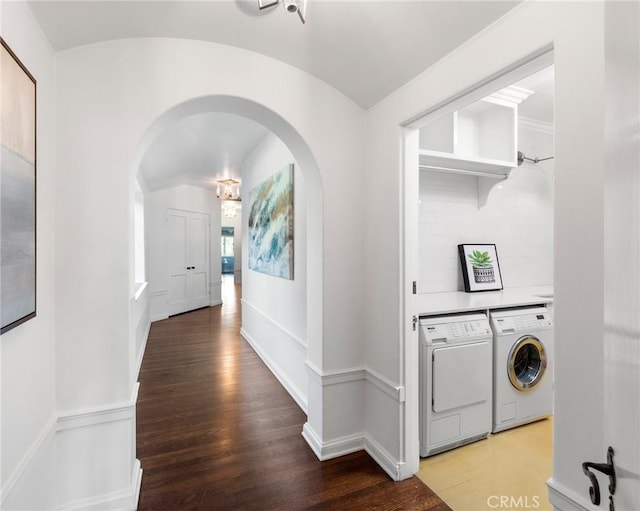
459,330
520,322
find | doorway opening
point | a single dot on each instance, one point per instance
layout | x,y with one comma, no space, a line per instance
227,250
295,318
476,171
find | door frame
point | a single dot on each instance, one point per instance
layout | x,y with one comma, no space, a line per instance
409,233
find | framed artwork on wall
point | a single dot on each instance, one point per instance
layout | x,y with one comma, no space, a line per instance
480,267
17,191
270,229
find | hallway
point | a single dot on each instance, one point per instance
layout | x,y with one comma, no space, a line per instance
216,431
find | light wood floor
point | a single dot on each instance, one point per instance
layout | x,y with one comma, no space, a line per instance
514,464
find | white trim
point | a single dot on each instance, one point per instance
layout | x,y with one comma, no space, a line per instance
350,444
140,287
312,439
143,348
334,448
124,500
349,375
564,499
215,293
164,314
512,74
159,317
91,416
536,125
393,468
46,434
293,390
511,95
334,377
408,218
381,383
290,336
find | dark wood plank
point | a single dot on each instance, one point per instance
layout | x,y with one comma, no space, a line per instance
216,431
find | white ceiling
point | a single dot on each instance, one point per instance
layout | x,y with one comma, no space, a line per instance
199,150
364,48
539,105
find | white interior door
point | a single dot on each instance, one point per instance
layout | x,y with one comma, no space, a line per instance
188,257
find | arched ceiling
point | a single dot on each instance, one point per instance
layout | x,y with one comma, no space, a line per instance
364,48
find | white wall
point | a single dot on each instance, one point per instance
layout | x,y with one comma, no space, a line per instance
578,226
186,198
27,373
517,218
116,96
274,310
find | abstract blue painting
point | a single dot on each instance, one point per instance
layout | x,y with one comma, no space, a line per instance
271,225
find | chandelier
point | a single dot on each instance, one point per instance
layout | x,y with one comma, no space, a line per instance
293,6
228,191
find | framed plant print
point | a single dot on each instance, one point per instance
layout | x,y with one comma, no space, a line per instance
17,191
480,267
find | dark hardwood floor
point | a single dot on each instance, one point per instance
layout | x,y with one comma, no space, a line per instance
217,431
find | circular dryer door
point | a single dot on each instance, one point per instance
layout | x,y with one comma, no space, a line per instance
527,363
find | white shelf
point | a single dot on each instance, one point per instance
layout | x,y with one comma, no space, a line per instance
429,304
454,162
481,137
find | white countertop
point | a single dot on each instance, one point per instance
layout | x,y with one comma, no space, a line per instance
428,304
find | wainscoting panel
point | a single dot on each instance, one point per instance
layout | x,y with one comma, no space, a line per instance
32,485
140,323
282,352
159,305
352,394
96,462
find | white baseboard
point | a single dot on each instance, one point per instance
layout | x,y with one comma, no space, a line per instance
159,317
392,467
159,305
293,390
347,445
334,448
564,499
214,303
143,348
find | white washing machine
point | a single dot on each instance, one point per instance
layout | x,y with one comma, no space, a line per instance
455,381
522,366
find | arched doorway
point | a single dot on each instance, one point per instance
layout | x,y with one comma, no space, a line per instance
305,160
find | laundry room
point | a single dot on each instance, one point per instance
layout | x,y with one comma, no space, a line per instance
484,295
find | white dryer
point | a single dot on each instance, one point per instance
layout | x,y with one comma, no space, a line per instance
455,381
523,366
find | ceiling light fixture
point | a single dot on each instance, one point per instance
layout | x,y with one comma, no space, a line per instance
299,6
225,191
230,199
